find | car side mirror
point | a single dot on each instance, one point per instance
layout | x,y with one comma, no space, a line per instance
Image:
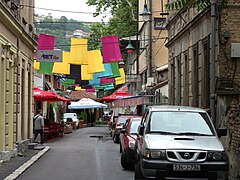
222,132
140,130
123,131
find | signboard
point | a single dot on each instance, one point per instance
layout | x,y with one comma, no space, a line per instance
130,78
49,56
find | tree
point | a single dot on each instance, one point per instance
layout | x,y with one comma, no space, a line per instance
200,4
123,22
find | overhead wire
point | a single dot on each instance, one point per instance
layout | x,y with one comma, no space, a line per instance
59,10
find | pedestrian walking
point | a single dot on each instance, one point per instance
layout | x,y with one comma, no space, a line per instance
38,125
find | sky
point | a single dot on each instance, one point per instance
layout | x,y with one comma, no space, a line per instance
85,15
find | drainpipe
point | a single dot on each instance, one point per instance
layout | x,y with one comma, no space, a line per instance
137,45
137,49
150,40
212,60
18,135
11,103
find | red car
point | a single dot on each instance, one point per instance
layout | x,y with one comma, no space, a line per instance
127,141
118,125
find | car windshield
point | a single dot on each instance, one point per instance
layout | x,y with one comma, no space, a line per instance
69,115
134,126
180,123
122,119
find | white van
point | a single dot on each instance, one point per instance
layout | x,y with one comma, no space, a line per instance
71,115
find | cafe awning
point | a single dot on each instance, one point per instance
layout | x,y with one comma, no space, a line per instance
132,101
115,96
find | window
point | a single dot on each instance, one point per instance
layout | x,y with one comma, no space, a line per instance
172,85
206,75
186,80
195,77
134,126
178,80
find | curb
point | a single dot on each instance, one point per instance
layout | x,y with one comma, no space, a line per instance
26,165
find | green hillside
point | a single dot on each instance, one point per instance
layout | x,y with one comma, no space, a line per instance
62,28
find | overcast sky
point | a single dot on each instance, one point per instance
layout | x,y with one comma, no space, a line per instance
86,14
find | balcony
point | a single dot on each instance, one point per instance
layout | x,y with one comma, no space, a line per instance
13,7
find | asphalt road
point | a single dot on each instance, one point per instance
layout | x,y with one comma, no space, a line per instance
86,154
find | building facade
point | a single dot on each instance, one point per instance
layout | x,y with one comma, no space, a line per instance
17,45
153,54
190,74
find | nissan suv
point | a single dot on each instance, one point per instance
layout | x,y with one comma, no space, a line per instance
178,141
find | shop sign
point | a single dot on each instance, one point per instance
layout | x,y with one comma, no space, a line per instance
49,56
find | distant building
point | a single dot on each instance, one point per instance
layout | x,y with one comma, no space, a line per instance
78,33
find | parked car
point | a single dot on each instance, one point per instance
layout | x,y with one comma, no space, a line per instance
128,137
111,123
73,116
118,125
175,141
107,115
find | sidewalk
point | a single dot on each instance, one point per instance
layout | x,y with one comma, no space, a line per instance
16,166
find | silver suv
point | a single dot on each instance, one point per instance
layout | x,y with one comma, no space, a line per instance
178,141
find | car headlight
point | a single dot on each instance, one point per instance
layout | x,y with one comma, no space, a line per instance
155,154
131,144
217,155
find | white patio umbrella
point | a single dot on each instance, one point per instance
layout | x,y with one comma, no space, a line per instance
86,103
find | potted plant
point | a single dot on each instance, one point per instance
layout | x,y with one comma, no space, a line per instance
82,118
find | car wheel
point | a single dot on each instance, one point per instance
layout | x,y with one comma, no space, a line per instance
120,148
124,161
138,172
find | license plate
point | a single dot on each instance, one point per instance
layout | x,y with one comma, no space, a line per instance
186,167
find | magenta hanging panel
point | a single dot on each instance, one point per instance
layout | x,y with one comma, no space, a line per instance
92,89
104,80
46,42
110,49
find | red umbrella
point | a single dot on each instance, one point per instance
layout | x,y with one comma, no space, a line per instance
60,98
115,96
41,95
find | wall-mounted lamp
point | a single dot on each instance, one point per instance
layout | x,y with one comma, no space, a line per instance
163,13
145,13
121,64
7,46
226,34
129,47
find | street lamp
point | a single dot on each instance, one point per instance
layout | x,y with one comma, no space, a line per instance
129,47
145,13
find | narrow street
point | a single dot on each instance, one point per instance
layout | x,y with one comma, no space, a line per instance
88,153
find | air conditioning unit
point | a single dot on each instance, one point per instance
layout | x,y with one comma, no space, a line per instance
150,82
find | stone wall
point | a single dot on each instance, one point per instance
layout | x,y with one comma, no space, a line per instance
233,124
